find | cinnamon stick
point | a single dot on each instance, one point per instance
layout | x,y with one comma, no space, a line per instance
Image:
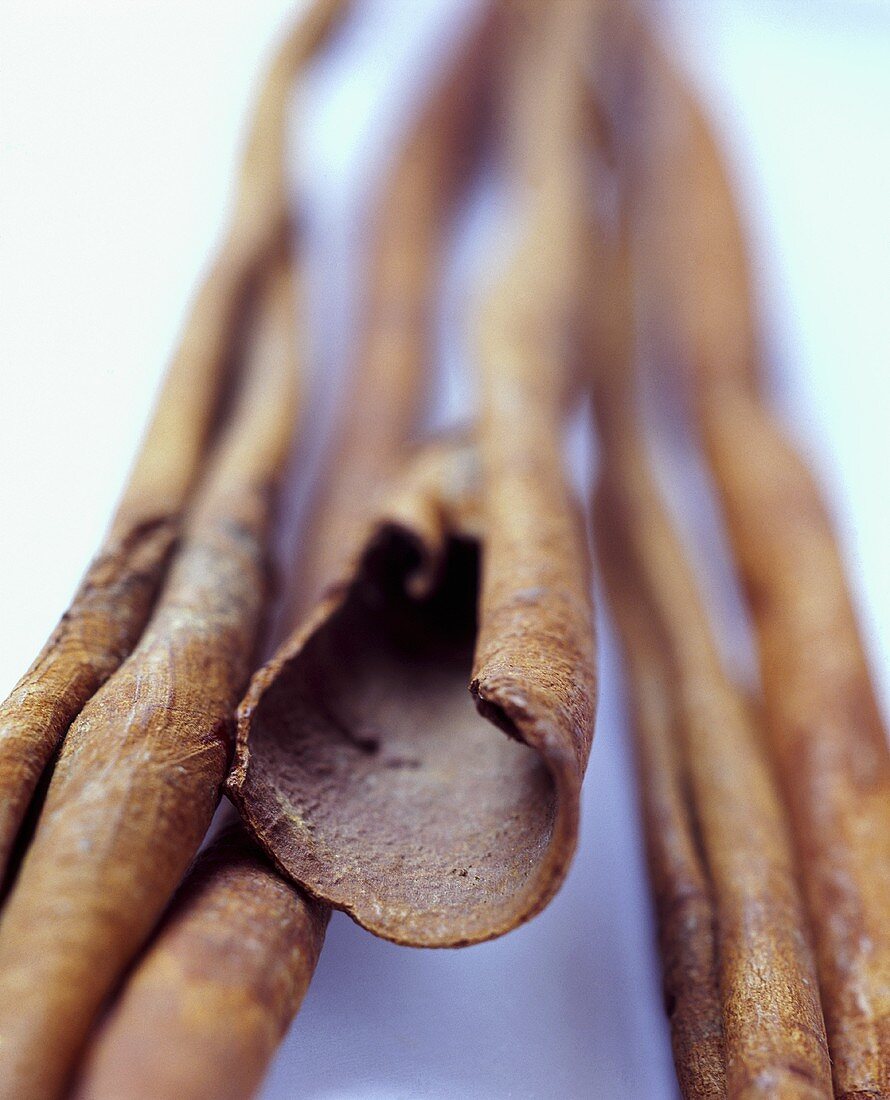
115,598
203,1014
139,773
372,461
740,976
825,731
681,889
534,667
362,767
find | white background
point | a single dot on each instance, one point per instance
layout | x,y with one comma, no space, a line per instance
119,130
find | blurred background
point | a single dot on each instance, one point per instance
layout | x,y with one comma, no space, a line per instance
119,133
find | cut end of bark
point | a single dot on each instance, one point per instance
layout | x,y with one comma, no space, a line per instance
494,711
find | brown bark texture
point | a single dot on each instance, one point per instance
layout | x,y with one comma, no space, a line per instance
204,1012
169,1003
740,977
173,1003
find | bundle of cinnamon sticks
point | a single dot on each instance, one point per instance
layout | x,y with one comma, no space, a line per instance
413,751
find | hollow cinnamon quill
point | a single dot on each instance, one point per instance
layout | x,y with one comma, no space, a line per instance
115,597
825,731
740,976
362,766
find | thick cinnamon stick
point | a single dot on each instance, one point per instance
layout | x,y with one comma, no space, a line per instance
379,418
826,733
203,1014
362,767
140,771
719,844
115,597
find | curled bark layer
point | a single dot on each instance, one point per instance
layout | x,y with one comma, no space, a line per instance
534,667
362,766
139,774
204,1012
115,598
825,731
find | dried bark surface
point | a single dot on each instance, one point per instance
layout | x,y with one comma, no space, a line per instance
204,1012
139,774
681,887
739,969
534,667
114,600
825,731
362,766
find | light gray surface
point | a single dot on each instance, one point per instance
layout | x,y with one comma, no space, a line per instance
119,127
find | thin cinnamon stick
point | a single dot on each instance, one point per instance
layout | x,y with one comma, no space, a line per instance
826,734
203,1014
382,409
681,889
722,858
362,767
139,773
115,597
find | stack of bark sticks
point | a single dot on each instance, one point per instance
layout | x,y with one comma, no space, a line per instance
413,752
